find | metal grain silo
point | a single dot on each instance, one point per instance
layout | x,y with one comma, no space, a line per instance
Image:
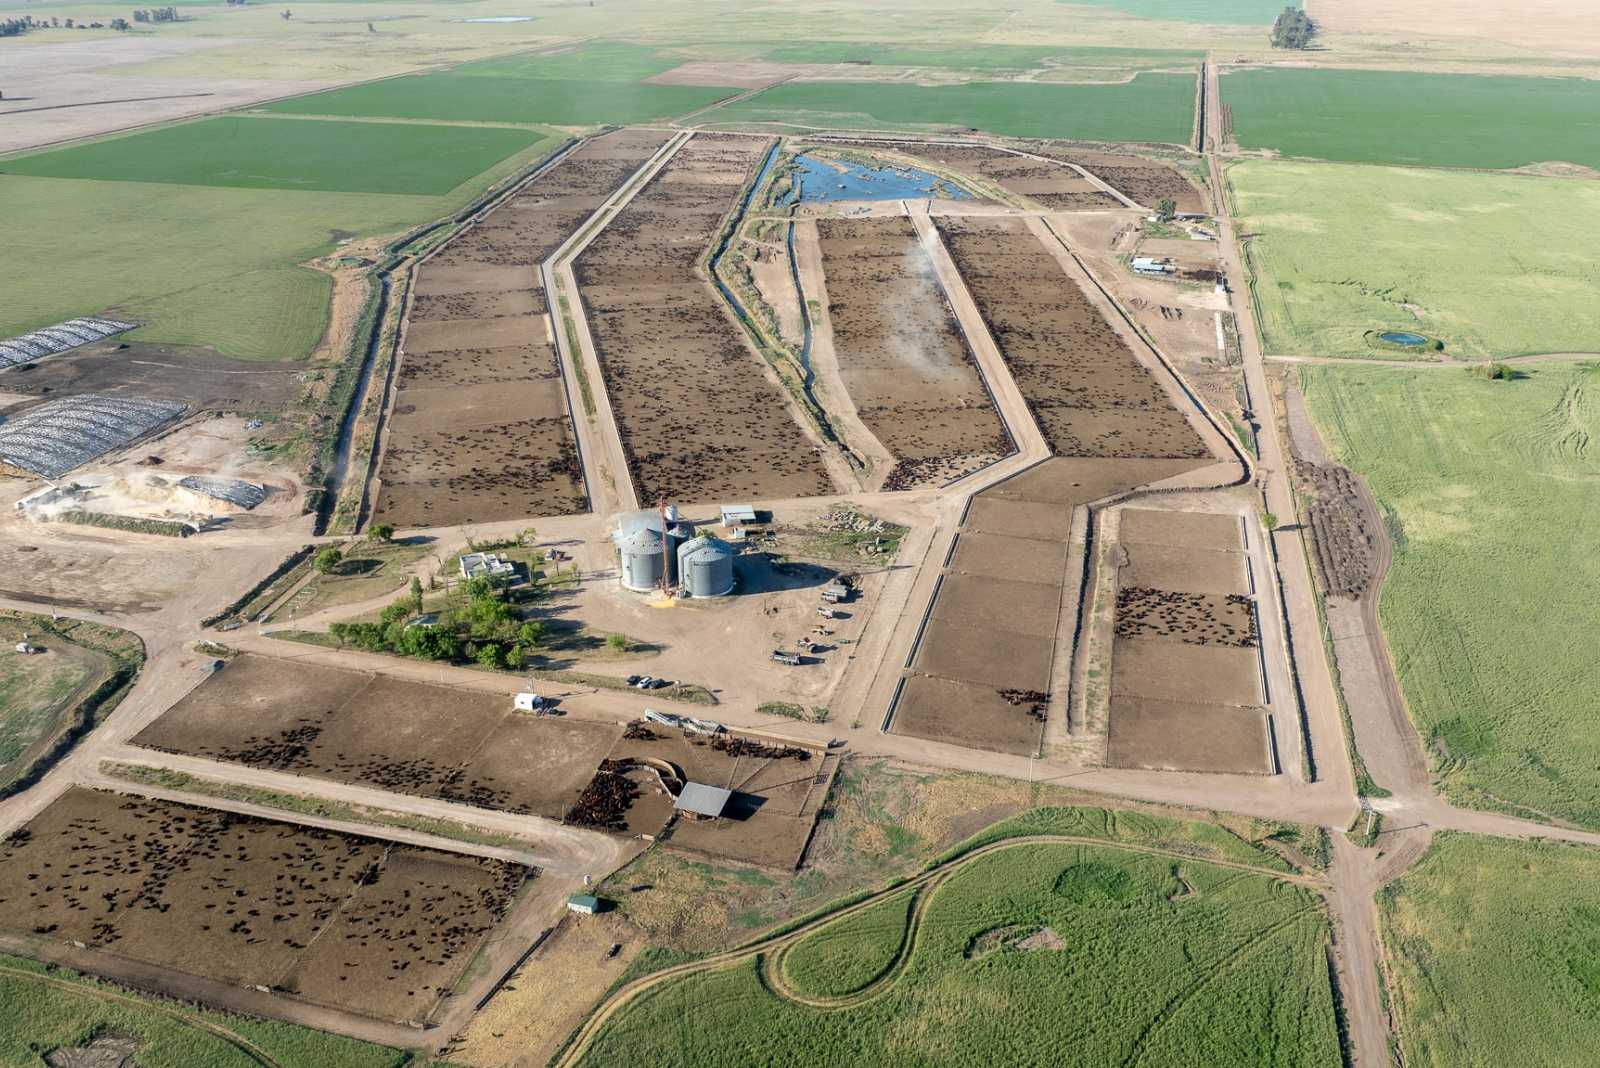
641,559
705,567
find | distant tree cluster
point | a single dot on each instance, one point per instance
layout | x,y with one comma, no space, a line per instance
481,627
156,14
1292,29
18,27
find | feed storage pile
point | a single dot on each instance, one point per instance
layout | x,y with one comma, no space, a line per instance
699,417
49,340
52,438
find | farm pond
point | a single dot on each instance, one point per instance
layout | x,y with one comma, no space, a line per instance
822,180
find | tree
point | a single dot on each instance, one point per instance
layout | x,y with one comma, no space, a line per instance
491,654
120,25
1292,28
1270,520
416,594
381,532
617,643
395,613
1166,208
531,633
328,560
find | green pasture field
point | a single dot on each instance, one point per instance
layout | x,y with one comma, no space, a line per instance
261,153
197,265
44,1008
978,56
1493,265
1491,489
1209,11
600,83
1439,120
1495,950
1164,962
1152,107
845,957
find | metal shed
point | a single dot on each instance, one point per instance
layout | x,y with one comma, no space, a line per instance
705,567
701,801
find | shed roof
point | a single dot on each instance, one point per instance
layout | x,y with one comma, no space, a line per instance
738,513
584,901
702,800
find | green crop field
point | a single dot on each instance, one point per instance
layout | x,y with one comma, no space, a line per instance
845,957
978,56
197,265
1138,959
42,1009
1494,265
601,83
1441,120
1152,107
1493,490
1211,11
1496,954
260,153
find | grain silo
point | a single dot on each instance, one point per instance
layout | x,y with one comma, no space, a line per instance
642,561
705,567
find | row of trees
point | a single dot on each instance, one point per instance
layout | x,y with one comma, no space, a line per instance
157,14
18,27
1292,28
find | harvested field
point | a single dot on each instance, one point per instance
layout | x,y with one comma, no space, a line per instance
994,620
1196,618
1184,673
777,792
902,356
1084,385
411,738
354,923
1048,184
700,419
1144,181
1184,736
1181,530
480,429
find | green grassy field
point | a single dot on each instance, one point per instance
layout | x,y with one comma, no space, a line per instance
1494,490
42,1009
1441,120
600,83
977,56
1211,11
36,692
1496,954
845,957
260,153
1215,967
1494,265
1152,107
197,265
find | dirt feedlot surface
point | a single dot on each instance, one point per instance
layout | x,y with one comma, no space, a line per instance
480,429
902,356
994,621
1050,185
359,924
412,738
1089,392
699,418
1185,687
1144,181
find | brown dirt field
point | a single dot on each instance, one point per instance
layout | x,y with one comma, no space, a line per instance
1144,181
532,1014
1180,736
1546,27
197,377
1089,392
1181,530
736,75
999,604
1047,184
902,356
478,314
251,901
1034,520
1004,660
1002,557
1197,618
965,713
376,731
699,418
1165,567
1178,671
